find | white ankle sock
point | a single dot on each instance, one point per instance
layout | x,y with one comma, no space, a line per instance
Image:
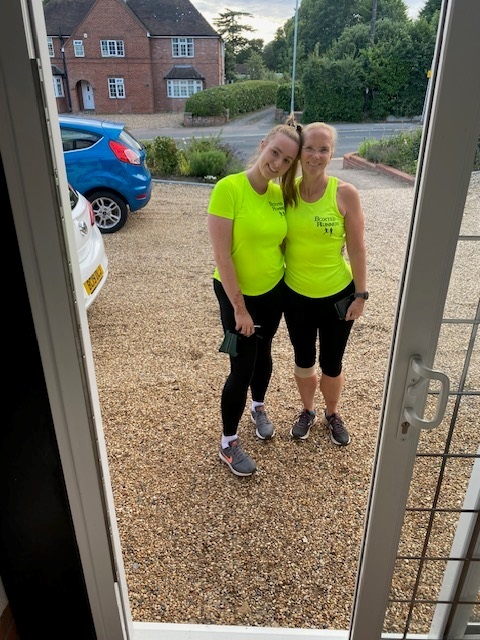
256,404
226,440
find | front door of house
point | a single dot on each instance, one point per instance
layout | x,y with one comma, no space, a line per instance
87,95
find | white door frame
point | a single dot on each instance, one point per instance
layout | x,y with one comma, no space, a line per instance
32,155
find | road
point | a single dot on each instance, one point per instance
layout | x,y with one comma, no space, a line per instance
244,134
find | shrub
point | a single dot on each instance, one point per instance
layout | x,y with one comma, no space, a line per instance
207,163
232,163
163,156
199,157
284,97
400,151
241,97
334,90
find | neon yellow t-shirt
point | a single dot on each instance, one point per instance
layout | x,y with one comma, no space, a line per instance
315,264
259,227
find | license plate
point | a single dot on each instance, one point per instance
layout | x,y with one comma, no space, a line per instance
92,283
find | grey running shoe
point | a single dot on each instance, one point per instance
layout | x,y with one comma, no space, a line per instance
302,425
265,429
338,433
239,462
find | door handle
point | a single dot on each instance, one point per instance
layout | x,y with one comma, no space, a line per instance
418,376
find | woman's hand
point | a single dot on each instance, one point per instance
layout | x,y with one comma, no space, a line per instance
355,310
244,323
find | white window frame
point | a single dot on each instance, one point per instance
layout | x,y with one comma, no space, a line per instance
183,88
183,48
112,48
78,49
51,48
116,88
58,88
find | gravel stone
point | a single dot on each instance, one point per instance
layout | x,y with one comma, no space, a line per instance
201,545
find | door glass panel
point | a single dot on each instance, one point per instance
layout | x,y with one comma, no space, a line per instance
446,455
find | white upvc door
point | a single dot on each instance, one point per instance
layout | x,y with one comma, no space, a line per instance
451,132
37,185
87,95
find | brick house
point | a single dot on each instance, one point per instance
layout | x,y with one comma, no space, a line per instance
130,56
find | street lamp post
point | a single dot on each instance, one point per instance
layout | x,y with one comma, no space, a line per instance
292,100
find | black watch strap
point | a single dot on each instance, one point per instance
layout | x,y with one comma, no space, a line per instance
362,294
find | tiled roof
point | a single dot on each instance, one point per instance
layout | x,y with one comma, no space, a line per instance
171,18
56,71
160,17
184,72
63,16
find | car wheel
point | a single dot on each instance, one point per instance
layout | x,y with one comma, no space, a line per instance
110,211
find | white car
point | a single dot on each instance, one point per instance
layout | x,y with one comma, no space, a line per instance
92,258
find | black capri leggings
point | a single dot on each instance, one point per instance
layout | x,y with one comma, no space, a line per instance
252,367
308,317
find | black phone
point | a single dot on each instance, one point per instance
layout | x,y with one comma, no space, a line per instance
229,343
342,305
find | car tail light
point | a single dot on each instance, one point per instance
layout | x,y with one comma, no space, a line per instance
124,153
90,211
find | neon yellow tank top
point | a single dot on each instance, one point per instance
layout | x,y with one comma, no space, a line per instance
315,265
259,228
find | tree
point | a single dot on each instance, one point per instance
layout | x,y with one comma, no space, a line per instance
351,43
321,22
395,10
229,27
431,8
276,53
255,67
252,46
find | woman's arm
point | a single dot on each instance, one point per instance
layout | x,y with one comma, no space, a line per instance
351,208
220,230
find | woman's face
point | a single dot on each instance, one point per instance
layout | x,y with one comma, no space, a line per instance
277,155
317,150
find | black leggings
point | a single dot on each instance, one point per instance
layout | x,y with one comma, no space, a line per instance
307,318
252,366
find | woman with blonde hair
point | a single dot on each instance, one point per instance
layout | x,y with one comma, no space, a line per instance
247,226
320,279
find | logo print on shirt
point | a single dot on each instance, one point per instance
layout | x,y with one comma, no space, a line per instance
328,224
278,207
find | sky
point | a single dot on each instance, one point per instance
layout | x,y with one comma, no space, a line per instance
268,15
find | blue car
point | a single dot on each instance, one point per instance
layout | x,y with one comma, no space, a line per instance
106,164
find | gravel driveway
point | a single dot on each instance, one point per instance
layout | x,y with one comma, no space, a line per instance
201,545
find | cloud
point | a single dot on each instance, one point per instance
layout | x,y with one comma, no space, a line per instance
269,16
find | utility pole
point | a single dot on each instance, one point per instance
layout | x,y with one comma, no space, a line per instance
373,21
67,81
292,100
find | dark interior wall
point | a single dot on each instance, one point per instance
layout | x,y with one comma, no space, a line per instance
39,560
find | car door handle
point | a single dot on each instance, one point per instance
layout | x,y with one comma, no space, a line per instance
418,376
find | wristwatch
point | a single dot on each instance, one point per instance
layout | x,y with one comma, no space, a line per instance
362,294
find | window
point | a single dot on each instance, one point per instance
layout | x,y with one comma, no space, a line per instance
73,139
112,48
51,50
183,88
116,88
58,87
78,50
182,47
